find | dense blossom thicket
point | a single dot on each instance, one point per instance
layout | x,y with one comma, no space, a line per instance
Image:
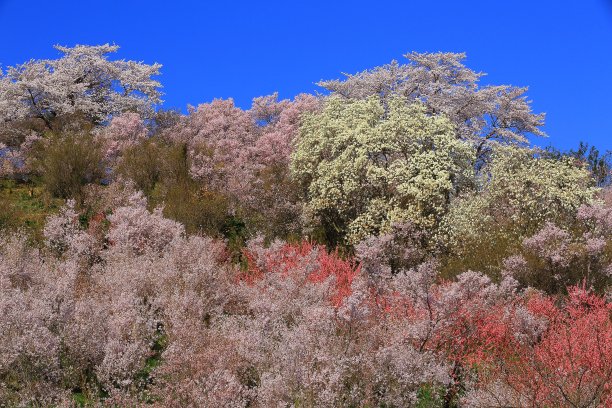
395,243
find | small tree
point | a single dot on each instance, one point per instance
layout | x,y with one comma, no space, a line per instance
68,163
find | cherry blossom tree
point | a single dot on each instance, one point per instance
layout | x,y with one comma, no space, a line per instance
81,89
83,80
555,258
245,155
124,131
481,115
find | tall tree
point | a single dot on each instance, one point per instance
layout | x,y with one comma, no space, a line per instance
363,168
481,114
83,80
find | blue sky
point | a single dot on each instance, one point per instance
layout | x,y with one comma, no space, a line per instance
562,50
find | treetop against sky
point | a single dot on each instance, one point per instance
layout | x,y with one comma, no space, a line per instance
562,51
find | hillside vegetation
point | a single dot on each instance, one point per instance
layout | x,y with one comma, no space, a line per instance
394,241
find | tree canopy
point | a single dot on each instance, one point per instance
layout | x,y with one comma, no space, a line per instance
83,80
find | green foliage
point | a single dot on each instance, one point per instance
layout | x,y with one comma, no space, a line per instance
69,162
235,232
199,210
430,397
275,211
80,399
143,164
161,171
598,164
144,377
25,206
364,165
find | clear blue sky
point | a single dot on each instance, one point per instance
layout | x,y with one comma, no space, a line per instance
561,49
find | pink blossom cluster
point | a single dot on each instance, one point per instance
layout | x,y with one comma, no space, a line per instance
555,257
123,132
129,311
245,153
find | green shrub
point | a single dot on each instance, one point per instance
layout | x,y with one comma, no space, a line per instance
69,162
143,165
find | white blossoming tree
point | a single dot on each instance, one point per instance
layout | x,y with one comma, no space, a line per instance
71,94
517,193
364,166
83,80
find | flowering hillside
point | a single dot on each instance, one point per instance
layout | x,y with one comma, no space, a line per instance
394,242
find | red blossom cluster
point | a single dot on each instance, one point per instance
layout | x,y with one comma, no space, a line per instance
288,258
523,348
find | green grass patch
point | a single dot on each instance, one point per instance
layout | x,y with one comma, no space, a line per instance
25,205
